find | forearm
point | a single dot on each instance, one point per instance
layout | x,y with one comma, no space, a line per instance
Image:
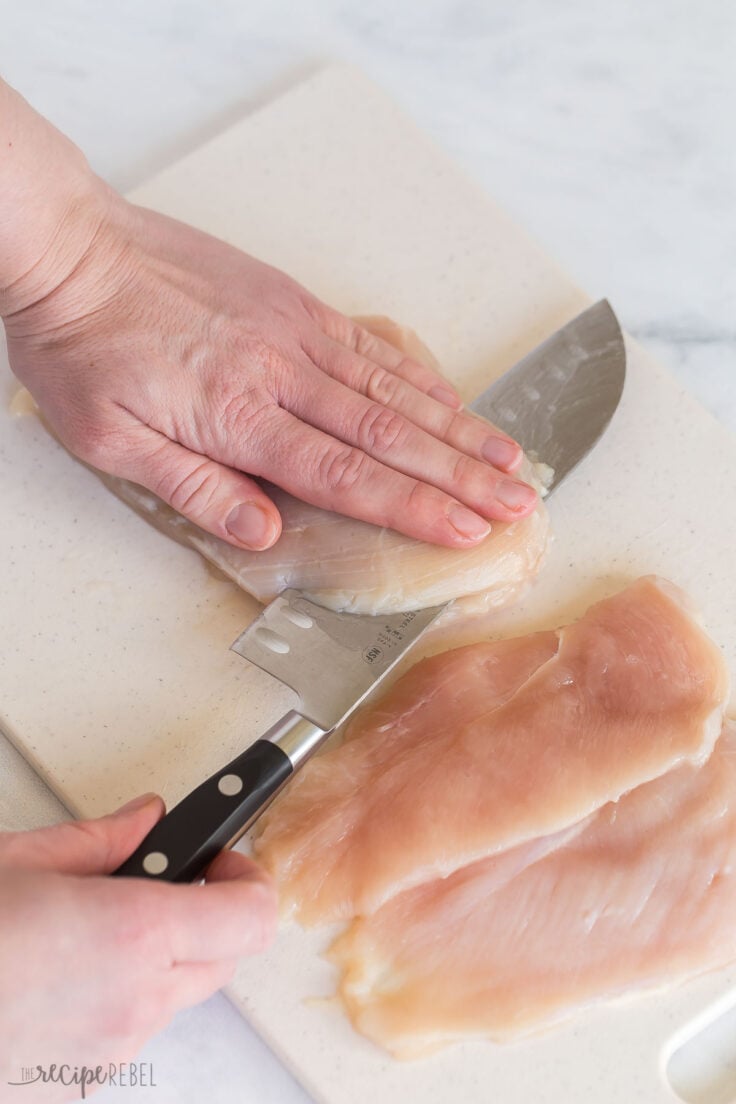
50,204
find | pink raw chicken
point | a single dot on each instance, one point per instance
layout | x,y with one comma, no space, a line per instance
645,895
350,565
483,748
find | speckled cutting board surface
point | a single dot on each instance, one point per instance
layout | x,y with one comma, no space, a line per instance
115,674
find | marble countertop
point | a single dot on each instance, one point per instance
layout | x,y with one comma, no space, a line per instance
605,129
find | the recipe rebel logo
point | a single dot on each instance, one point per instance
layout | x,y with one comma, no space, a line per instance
124,1075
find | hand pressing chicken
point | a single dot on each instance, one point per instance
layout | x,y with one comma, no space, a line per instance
167,357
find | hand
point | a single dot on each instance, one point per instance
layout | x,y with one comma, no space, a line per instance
174,360
90,967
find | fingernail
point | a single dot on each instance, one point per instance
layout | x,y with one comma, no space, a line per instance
515,495
501,453
445,395
138,802
250,525
467,523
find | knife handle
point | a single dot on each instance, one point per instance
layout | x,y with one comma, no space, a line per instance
214,815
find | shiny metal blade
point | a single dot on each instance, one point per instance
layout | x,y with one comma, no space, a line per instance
332,660
558,400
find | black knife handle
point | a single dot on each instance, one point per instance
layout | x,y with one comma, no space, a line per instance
185,841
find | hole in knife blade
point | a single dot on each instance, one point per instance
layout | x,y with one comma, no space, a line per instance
303,620
271,640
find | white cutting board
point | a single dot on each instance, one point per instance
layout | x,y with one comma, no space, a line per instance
115,674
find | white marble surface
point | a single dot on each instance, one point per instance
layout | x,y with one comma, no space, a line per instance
606,129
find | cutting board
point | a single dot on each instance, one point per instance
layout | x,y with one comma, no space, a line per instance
115,674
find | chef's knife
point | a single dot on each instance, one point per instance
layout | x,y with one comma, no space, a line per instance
556,403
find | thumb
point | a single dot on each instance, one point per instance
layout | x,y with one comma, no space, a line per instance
218,499
84,846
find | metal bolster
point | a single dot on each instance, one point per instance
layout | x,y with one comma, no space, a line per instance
296,736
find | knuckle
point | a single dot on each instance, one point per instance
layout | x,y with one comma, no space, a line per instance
421,497
336,325
316,310
266,357
249,353
380,430
342,468
451,425
243,412
417,495
464,469
193,492
363,342
382,386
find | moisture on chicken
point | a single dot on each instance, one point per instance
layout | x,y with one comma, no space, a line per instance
483,748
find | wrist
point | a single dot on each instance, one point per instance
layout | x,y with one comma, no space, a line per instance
51,206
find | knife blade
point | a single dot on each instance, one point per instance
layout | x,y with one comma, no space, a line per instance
556,402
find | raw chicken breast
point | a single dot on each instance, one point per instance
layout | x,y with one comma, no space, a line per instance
645,895
350,565
485,747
